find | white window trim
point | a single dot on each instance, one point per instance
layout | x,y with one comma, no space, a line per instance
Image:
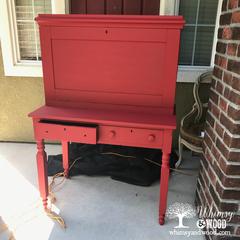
9,41
190,73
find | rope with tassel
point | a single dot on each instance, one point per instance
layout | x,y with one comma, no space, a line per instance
56,217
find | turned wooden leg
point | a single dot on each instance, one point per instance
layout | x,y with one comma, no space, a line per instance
163,186
65,158
42,172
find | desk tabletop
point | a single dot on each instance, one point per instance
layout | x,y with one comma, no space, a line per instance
156,120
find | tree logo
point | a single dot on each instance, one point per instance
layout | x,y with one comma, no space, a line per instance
180,210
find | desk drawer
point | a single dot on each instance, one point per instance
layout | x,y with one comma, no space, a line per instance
136,137
51,131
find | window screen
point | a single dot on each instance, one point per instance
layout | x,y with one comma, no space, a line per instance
197,36
27,29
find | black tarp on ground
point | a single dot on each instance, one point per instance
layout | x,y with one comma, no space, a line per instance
126,164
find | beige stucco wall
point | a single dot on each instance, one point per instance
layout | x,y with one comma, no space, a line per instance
18,97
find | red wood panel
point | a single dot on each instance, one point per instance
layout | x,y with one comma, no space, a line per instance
132,7
78,6
93,54
150,7
113,6
95,7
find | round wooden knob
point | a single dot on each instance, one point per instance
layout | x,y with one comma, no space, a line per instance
112,134
151,138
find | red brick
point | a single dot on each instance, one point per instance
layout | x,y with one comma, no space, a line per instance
236,17
222,148
227,181
234,157
221,47
227,194
226,91
225,19
213,83
215,152
202,197
214,97
233,66
211,120
232,4
232,96
224,5
217,72
232,49
235,219
204,178
227,33
233,128
222,62
205,162
210,132
230,229
230,181
219,87
216,181
223,104
212,176
220,33
232,113
232,142
223,206
208,197
235,33
236,83
238,51
214,109
229,169
208,140
227,78
219,130
216,59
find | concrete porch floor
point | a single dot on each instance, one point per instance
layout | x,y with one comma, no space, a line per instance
92,207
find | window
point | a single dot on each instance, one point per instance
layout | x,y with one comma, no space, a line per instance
198,34
19,34
27,30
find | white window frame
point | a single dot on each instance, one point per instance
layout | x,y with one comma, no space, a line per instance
9,41
190,73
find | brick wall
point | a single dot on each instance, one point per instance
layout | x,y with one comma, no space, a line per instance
218,184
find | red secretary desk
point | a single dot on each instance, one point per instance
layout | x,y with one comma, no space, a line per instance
108,79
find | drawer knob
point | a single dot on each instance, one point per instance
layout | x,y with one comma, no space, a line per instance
151,138
112,134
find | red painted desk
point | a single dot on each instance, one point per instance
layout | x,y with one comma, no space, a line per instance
108,79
